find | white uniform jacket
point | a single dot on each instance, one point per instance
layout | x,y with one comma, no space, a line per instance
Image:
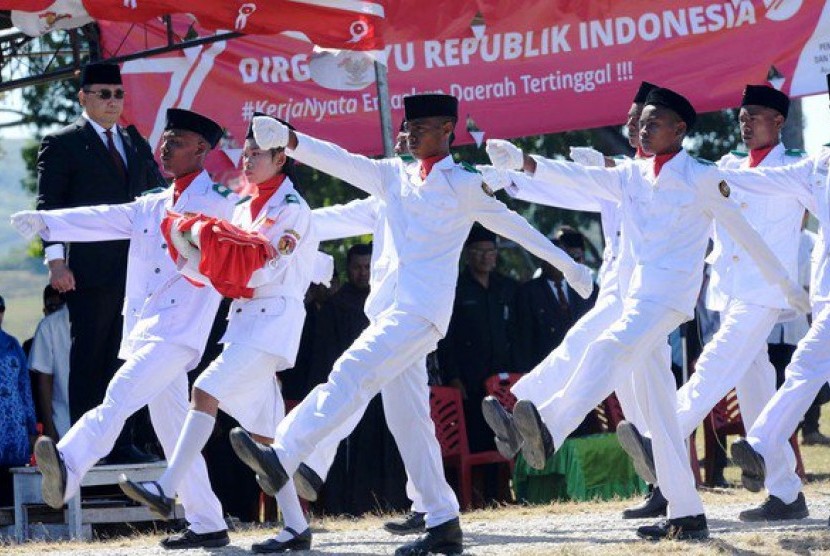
425,224
536,189
272,321
160,304
809,182
667,222
777,219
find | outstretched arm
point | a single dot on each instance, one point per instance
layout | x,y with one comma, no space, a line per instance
356,218
729,216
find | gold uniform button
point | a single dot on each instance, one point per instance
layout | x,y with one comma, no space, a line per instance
736,258
744,205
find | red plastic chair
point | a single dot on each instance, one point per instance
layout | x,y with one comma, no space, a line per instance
499,387
447,413
725,419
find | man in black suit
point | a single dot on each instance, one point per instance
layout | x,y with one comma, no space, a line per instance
547,306
93,161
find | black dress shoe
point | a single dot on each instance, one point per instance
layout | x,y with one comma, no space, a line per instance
300,541
753,468
50,463
441,539
639,448
654,505
261,459
188,539
130,453
308,483
412,524
773,509
682,528
159,504
538,443
508,439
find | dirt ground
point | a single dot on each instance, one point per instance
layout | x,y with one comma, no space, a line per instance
562,528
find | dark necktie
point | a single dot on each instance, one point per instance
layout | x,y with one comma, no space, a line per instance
116,157
563,301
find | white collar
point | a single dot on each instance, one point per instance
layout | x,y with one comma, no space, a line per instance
99,129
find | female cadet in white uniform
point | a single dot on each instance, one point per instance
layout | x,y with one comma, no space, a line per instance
166,325
263,337
430,208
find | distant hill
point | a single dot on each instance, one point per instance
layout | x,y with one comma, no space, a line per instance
12,195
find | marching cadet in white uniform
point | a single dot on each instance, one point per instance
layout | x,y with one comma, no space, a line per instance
668,204
166,325
766,445
552,374
749,306
430,208
263,337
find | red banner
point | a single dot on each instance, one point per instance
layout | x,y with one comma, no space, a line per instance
538,67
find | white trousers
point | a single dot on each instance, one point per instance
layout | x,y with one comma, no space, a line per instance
403,397
156,376
553,373
806,373
392,347
633,344
244,380
737,357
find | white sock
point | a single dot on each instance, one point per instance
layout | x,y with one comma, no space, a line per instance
197,429
292,512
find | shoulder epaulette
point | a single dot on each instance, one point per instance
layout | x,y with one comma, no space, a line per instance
795,152
469,168
243,199
222,189
740,154
152,191
704,161
826,145
619,157
291,198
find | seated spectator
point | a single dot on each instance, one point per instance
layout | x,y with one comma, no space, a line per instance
49,361
17,412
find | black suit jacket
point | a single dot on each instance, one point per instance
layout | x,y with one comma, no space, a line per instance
75,169
541,326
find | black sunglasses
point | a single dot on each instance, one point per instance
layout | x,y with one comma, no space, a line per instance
106,94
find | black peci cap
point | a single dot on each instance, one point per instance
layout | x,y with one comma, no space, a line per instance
178,118
764,95
100,73
643,91
675,102
430,105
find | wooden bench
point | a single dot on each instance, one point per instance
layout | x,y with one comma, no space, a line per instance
79,515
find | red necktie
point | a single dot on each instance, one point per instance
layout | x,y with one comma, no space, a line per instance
116,157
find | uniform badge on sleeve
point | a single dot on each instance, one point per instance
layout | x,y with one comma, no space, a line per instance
288,242
723,187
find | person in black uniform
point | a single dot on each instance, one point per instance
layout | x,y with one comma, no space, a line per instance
94,161
479,338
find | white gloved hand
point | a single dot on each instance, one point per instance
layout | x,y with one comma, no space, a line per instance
581,279
495,178
269,133
504,154
28,223
587,156
796,296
